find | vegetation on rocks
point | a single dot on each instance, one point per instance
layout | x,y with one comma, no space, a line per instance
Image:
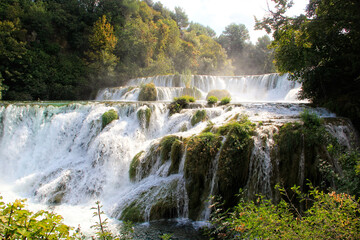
179,103
212,100
199,116
108,117
148,92
201,150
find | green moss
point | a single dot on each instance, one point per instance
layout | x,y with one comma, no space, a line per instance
148,92
192,91
225,100
175,155
201,150
108,117
212,100
132,213
234,160
134,165
144,115
165,147
199,116
179,103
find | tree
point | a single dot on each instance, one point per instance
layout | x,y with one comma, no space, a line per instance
234,38
101,59
181,18
321,50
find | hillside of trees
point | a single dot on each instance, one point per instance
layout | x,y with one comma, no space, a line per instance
68,49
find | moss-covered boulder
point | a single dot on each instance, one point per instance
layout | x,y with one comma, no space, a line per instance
162,201
135,163
219,93
234,160
108,117
199,116
201,150
144,115
148,92
165,147
192,91
177,149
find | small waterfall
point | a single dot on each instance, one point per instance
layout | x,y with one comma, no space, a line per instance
255,88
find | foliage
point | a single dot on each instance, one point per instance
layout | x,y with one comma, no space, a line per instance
199,116
16,222
319,49
225,100
212,100
348,180
179,103
148,92
108,117
328,216
67,50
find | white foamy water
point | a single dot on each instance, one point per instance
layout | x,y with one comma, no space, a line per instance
255,88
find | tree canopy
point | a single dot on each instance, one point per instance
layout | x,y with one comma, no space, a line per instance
322,50
67,50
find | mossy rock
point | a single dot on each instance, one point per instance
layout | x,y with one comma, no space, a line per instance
201,150
148,92
199,116
134,165
144,116
164,209
108,117
234,160
219,93
165,147
133,213
299,150
175,155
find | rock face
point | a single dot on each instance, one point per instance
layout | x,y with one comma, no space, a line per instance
222,159
218,93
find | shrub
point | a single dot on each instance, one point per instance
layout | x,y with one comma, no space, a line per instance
108,117
310,119
16,222
329,216
199,116
179,103
212,100
225,100
148,92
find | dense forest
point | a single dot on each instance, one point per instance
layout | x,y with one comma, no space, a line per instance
67,50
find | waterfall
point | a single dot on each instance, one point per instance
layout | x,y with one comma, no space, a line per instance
58,154
255,88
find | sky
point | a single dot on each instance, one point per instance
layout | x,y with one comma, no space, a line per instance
218,14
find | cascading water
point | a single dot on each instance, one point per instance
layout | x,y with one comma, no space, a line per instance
58,154
260,88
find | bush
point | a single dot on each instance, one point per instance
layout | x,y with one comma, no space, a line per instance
329,216
18,223
148,92
225,100
212,100
179,103
108,117
310,119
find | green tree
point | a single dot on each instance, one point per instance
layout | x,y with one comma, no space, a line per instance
181,18
321,50
101,59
